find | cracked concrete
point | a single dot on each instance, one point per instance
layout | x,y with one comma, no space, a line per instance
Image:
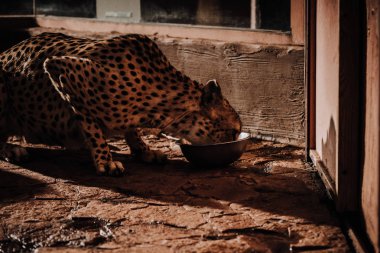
268,201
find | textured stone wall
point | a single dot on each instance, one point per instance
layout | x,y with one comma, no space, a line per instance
264,83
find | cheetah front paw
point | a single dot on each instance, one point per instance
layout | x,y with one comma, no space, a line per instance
153,156
112,168
15,154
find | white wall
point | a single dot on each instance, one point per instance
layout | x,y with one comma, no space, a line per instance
327,83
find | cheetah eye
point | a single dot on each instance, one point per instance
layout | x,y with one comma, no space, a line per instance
235,134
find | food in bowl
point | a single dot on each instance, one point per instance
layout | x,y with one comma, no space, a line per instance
216,154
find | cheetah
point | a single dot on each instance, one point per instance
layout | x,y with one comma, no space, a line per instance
77,92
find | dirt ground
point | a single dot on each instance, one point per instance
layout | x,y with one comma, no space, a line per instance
268,201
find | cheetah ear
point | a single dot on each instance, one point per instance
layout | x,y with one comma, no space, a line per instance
211,93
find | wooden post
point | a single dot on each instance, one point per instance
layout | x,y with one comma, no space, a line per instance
310,54
253,14
297,21
351,68
370,197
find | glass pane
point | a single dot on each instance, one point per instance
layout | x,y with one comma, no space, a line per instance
16,7
70,8
202,12
273,15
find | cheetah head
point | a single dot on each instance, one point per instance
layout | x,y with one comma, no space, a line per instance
216,121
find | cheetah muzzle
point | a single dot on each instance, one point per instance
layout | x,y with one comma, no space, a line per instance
74,92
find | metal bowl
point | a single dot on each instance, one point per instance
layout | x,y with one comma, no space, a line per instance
217,154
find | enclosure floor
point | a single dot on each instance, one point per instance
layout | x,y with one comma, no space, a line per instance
268,201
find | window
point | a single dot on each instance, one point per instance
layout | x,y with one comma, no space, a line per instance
205,12
248,14
71,8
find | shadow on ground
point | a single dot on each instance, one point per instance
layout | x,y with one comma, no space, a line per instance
267,201
247,183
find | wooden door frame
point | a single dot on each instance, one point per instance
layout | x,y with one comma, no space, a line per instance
346,190
310,61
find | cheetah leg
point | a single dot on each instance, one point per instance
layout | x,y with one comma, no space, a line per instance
8,152
62,69
141,150
12,152
99,148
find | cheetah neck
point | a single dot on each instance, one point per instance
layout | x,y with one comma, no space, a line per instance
192,106
168,124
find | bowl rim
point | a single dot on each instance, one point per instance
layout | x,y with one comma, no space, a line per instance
220,143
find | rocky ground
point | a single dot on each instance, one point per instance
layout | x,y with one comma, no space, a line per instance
268,201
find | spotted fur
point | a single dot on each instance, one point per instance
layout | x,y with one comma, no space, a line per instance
60,90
